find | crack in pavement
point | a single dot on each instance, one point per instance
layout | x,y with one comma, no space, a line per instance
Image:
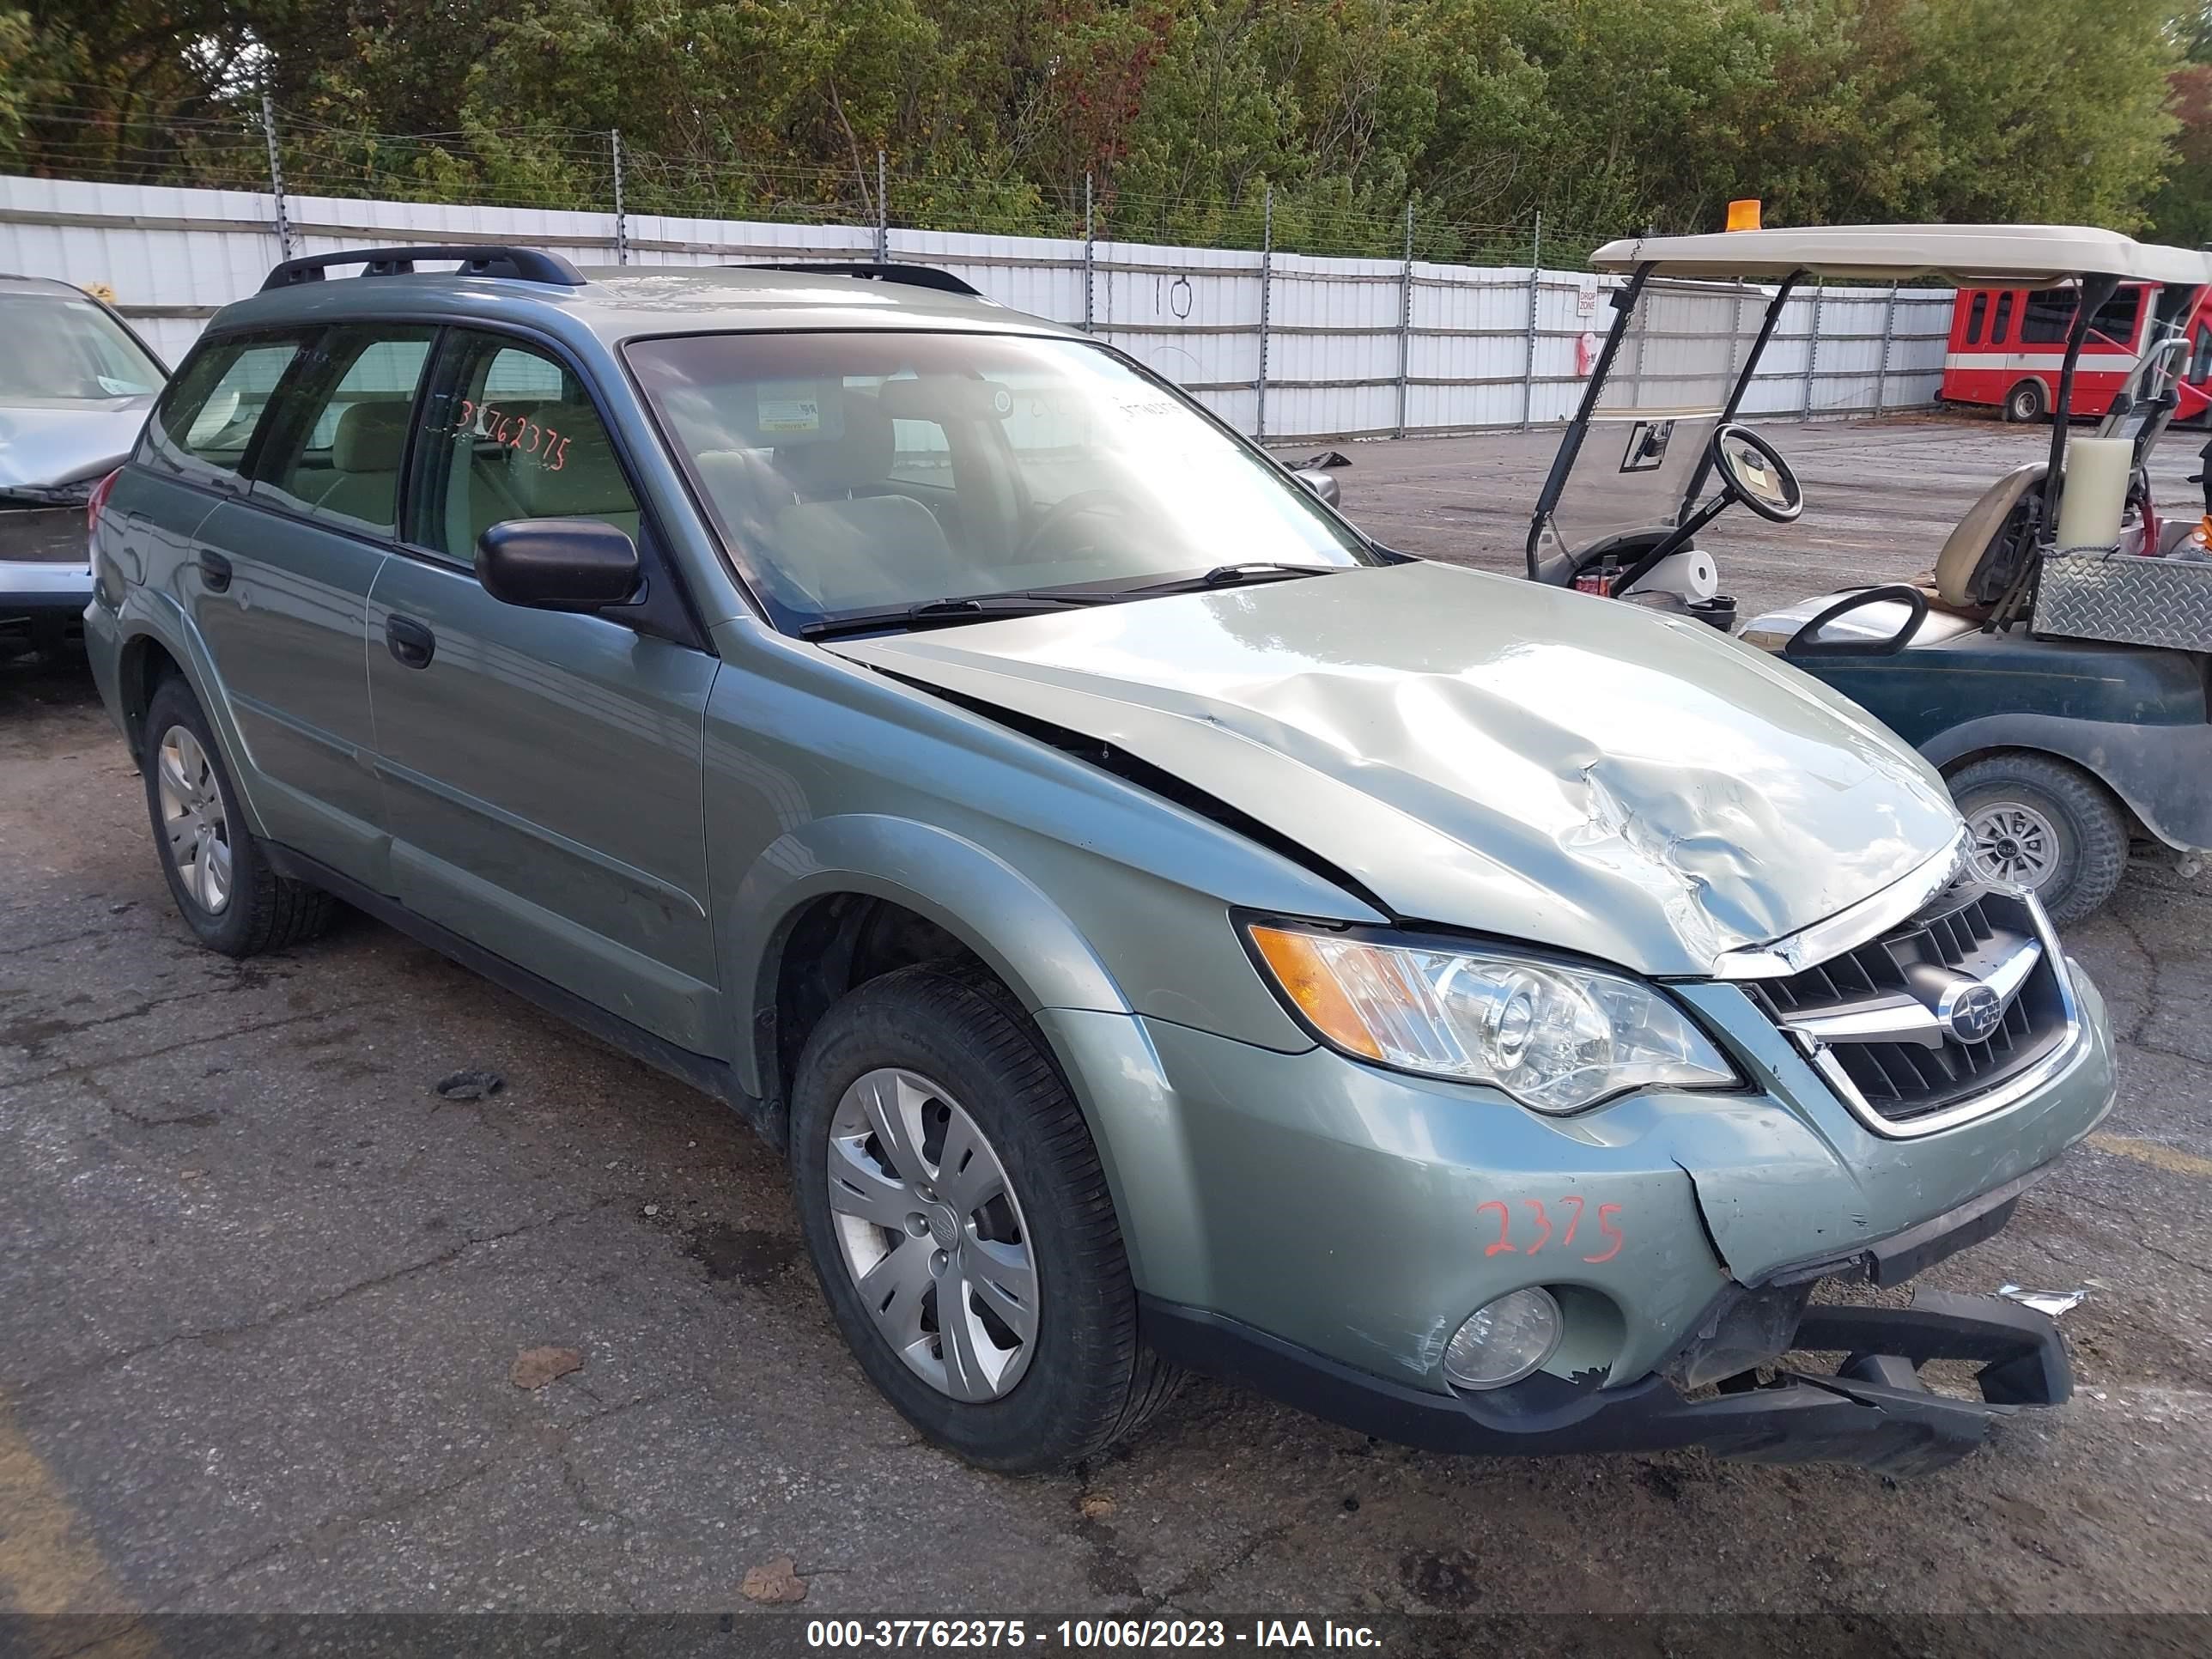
331,1531
89,1067
445,1258
2177,1261
64,938
337,1527
2152,968
1202,1578
44,1031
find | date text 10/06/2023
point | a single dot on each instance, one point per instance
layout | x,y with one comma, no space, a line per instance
1085,1635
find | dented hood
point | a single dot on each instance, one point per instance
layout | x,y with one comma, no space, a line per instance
1487,753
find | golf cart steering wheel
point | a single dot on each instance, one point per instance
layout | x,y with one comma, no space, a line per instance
1752,470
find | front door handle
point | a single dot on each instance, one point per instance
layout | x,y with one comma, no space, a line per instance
214,571
410,641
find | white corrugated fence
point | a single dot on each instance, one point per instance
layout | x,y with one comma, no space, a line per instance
1286,346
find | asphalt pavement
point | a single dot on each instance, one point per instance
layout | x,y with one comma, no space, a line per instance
265,1294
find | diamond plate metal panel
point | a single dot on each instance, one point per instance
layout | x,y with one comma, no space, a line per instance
2120,597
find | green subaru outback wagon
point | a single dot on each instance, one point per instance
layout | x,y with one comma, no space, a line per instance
1166,930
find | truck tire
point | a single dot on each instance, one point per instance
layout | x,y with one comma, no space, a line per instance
944,1173
2046,824
2024,402
218,875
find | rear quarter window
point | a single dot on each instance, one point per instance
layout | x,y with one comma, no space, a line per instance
205,422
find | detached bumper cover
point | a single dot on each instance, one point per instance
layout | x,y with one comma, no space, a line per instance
1873,1410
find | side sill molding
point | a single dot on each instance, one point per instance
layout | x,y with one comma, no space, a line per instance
704,1073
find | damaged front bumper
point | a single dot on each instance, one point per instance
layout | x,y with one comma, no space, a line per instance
1873,1410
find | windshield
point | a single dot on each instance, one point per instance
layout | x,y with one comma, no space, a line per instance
855,471
65,350
1679,355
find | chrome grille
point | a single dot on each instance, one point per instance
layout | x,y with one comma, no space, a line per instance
1875,1017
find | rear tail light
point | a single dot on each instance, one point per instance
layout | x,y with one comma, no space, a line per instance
97,499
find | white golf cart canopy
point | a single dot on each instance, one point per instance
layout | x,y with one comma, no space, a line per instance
2026,256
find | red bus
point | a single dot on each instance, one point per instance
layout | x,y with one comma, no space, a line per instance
2006,345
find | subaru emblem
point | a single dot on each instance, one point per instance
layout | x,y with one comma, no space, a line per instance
1971,1012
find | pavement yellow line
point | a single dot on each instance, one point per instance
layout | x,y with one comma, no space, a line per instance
2158,1155
49,1565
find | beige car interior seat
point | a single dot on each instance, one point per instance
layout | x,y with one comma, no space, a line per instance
1970,541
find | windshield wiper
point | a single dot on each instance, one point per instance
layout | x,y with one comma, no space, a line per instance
1226,575
937,613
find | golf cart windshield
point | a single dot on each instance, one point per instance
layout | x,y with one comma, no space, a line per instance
1670,383
1689,329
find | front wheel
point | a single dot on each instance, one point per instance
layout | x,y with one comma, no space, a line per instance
2045,825
2024,402
958,1217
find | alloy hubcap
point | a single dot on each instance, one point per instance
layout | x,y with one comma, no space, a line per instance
2013,843
933,1234
197,832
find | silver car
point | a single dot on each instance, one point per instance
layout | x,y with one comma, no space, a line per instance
1166,929
75,386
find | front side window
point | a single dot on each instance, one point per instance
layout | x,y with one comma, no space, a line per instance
509,432
65,350
339,431
203,425
851,471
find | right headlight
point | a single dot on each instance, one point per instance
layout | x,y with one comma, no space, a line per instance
1554,1037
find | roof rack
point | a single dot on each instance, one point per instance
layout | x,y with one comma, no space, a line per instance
907,276
526,264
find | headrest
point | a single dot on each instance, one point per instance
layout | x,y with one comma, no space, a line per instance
370,438
573,471
859,458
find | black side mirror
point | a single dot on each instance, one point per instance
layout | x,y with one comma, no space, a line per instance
1322,484
557,564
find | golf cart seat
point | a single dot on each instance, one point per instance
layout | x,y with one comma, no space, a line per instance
1970,545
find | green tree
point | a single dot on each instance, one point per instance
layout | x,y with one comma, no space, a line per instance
1607,115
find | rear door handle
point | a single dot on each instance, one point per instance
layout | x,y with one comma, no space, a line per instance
214,571
410,641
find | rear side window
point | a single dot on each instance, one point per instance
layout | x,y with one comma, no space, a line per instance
2114,324
2049,317
509,432
338,430
205,423
1976,314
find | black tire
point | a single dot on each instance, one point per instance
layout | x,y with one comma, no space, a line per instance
2089,828
1090,1379
264,911
2024,403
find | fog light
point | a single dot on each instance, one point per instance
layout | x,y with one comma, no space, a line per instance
1504,1340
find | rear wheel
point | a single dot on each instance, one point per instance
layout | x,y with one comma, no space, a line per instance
957,1215
2024,402
218,875
2042,825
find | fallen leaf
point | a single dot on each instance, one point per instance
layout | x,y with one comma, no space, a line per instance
470,1085
535,1367
776,1581
1096,1508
